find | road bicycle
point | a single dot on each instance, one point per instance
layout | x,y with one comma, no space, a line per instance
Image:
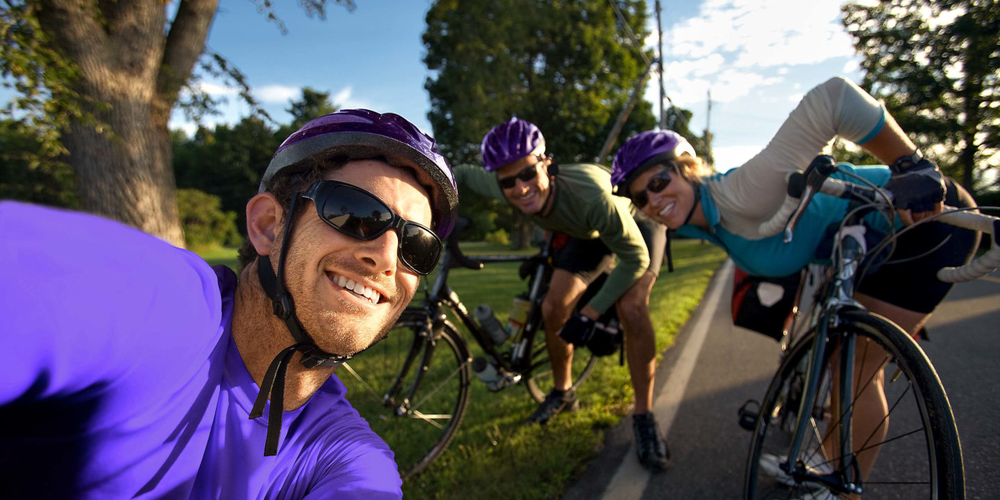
806,443
413,386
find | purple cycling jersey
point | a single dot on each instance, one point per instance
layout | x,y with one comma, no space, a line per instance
120,379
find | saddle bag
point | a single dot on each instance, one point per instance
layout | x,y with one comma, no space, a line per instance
764,305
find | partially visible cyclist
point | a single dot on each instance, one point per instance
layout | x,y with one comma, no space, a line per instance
133,369
576,201
660,173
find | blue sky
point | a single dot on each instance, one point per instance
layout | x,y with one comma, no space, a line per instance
756,56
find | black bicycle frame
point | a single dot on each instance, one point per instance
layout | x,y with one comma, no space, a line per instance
441,296
839,294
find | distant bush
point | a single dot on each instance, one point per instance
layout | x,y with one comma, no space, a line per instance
500,237
205,223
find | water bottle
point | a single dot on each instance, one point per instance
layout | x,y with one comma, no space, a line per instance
489,322
518,315
487,373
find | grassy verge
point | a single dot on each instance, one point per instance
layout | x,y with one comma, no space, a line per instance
494,455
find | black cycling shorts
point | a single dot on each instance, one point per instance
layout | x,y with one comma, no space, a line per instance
913,284
589,258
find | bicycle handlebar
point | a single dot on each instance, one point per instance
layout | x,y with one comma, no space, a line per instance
459,257
801,186
982,265
790,212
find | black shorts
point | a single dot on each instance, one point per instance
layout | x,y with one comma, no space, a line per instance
913,284
588,259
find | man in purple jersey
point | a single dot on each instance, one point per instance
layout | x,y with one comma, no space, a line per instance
132,369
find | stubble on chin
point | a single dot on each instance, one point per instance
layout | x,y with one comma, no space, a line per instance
352,329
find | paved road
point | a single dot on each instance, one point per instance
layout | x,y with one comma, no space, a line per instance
715,367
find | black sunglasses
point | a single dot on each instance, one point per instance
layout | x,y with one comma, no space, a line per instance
656,183
526,175
358,213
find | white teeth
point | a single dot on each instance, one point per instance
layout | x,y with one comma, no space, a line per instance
667,208
358,288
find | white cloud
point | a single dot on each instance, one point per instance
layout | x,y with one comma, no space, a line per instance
734,46
216,90
763,34
277,94
344,98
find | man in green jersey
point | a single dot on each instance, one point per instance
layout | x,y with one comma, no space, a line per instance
576,201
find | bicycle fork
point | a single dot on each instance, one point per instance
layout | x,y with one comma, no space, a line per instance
847,477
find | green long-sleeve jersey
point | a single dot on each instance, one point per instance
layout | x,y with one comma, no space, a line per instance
583,208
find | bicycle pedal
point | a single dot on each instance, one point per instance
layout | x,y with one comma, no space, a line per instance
748,416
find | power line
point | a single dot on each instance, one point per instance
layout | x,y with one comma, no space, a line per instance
628,31
635,43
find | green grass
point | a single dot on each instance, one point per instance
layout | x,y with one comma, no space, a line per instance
219,255
494,455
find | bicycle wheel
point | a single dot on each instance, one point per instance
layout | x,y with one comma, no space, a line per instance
417,427
916,455
538,380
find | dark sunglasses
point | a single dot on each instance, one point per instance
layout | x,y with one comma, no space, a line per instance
656,183
358,213
526,175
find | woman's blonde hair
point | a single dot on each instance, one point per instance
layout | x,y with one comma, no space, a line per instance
693,168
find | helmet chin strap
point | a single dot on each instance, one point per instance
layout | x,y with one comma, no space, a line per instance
694,205
273,385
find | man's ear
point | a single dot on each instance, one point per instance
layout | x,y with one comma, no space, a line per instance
263,222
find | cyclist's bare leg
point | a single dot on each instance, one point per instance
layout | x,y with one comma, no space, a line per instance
565,290
640,340
909,321
869,425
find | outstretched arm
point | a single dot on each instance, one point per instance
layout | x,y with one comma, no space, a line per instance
891,145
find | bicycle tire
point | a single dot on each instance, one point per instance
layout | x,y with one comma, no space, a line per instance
538,379
924,462
418,430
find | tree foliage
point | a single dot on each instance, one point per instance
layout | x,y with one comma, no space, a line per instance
565,66
936,64
206,224
97,80
313,104
228,160
30,173
568,67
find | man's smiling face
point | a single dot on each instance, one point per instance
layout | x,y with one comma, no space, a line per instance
527,196
348,292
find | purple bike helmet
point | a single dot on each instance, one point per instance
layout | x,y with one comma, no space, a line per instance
510,141
359,134
643,151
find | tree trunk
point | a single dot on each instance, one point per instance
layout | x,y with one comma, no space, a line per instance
967,160
129,77
128,176
523,231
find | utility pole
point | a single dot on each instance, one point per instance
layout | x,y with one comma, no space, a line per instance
659,45
708,129
623,115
